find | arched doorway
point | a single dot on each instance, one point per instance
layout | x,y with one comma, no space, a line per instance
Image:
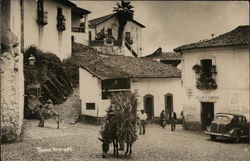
168,104
149,106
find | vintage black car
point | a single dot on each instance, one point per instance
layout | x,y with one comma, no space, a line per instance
231,126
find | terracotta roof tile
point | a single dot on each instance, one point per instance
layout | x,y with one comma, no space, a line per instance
108,67
238,36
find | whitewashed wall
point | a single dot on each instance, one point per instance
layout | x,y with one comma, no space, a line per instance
80,37
90,92
232,94
47,37
159,87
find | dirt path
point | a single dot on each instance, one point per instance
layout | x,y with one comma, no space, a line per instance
78,142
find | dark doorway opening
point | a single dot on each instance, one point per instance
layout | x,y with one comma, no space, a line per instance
149,106
168,104
90,36
207,114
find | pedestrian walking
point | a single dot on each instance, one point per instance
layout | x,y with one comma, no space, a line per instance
47,111
173,120
182,119
143,118
163,119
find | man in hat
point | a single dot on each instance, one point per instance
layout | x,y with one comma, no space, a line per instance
143,118
173,120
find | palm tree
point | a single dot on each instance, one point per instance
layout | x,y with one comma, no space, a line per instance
123,13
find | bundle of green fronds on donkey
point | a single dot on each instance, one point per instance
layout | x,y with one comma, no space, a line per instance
120,123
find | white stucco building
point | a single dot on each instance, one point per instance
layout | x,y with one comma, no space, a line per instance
215,76
79,23
158,85
108,25
47,25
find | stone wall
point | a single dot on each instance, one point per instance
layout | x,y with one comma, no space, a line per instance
12,87
112,50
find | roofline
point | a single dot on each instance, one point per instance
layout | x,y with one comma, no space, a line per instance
67,2
179,48
139,24
142,26
194,45
91,72
156,77
88,70
80,11
224,113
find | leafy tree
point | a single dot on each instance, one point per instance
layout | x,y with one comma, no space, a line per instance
123,13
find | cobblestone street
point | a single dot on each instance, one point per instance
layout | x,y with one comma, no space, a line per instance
79,142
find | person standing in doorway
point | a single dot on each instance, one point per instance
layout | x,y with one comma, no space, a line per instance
143,118
173,119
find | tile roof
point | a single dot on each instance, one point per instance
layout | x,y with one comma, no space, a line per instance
238,36
96,21
110,67
158,54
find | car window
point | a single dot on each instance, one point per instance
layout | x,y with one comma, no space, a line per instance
222,118
235,120
240,119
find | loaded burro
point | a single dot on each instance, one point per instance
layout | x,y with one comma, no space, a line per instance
120,123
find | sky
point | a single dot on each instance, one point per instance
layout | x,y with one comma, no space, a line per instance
170,24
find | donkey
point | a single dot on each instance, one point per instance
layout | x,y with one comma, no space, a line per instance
110,134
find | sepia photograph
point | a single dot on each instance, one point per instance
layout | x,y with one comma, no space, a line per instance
125,80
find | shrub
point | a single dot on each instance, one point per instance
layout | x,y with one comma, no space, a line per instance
49,72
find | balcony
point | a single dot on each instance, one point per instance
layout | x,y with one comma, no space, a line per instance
78,29
206,83
205,79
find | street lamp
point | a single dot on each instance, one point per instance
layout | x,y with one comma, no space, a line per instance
32,60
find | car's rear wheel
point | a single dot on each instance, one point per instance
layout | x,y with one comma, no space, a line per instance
245,140
237,137
213,137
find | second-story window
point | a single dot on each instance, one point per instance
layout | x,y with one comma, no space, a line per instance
206,72
127,35
42,17
110,33
206,68
113,86
60,20
128,38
